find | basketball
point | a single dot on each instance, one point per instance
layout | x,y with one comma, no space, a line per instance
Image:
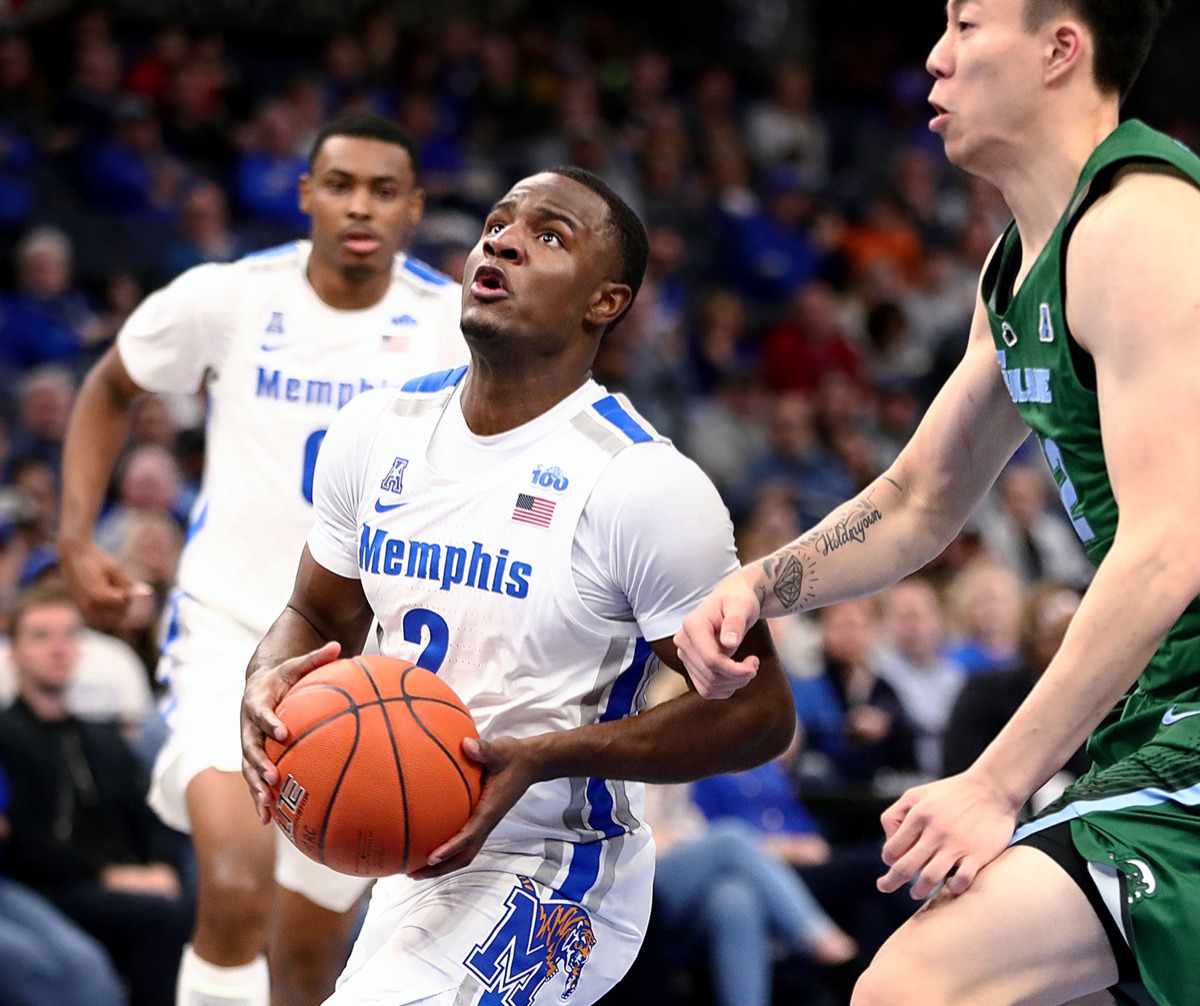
372,776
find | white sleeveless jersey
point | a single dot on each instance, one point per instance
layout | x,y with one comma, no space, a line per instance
473,579
277,363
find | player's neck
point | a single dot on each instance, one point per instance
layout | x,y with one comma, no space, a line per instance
496,400
346,293
1039,180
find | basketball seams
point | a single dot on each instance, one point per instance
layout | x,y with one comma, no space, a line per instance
337,787
410,701
353,707
395,752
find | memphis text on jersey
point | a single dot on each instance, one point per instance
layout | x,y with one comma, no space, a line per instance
384,555
309,391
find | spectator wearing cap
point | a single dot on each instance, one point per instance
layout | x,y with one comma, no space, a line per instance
45,319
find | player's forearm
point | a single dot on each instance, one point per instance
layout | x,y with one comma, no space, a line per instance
290,635
96,434
1137,595
684,739
879,537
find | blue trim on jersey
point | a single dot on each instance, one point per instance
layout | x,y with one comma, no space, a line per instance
172,632
196,525
435,382
278,251
620,705
612,410
426,272
584,871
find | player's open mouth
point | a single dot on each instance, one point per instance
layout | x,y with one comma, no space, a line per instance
360,242
940,118
489,284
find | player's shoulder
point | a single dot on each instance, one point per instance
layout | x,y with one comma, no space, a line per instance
412,275
284,259
1144,202
643,461
612,424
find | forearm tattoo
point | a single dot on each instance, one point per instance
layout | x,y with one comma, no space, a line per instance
791,573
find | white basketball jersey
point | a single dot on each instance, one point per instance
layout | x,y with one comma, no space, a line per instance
472,579
277,363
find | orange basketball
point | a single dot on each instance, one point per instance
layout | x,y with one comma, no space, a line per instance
373,777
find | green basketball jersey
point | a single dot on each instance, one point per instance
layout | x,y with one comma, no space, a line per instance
1052,380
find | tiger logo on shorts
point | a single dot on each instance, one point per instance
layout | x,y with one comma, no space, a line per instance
530,945
567,933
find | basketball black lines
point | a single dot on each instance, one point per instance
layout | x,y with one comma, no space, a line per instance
395,751
411,701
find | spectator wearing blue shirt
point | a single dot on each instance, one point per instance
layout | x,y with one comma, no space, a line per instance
45,319
267,175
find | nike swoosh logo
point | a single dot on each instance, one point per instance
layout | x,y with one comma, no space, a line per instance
1170,716
385,507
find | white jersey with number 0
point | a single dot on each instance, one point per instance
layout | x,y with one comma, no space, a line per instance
277,363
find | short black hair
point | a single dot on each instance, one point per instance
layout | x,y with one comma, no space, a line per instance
633,246
367,126
1123,31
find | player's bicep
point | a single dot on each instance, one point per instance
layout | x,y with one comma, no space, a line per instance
1140,323
335,606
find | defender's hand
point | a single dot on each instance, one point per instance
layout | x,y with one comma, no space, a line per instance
101,588
265,689
510,768
711,635
957,824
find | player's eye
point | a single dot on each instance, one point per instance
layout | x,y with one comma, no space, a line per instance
964,26
387,193
552,239
495,227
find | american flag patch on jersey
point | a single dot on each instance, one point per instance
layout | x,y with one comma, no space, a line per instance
533,510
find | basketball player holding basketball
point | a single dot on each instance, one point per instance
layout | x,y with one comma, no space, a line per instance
527,536
1091,302
280,341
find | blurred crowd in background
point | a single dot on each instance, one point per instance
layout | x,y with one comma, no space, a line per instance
813,271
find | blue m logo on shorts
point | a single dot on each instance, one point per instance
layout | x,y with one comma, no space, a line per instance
529,946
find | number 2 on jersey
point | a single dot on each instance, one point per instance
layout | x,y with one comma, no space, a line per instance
1070,497
418,621
312,447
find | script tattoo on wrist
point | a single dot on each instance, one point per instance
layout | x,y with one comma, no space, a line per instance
791,573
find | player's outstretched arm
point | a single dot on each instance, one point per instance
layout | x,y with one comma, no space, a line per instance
95,436
326,616
1139,323
897,524
681,740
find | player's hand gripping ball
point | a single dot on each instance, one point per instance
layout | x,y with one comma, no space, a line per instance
372,776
